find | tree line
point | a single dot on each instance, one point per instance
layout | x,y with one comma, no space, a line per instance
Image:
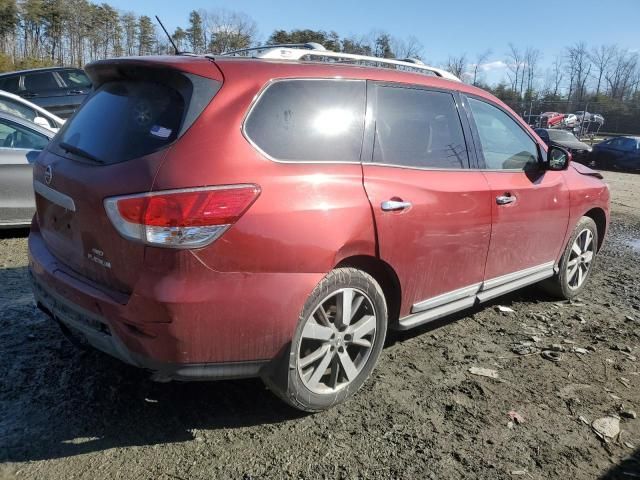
74,32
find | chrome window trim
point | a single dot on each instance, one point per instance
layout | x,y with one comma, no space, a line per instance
273,81
54,196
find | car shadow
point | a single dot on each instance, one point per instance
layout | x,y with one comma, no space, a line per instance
14,232
628,468
57,401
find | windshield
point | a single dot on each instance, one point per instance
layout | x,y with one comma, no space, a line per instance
562,135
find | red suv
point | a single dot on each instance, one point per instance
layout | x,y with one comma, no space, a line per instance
209,218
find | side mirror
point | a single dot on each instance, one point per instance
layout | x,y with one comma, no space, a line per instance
43,122
557,158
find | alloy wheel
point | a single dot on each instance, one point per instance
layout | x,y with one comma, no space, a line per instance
336,341
580,259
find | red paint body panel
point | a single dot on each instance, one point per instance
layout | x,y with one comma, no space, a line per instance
536,222
440,244
239,298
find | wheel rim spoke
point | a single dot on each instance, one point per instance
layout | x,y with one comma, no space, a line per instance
321,369
347,365
317,332
336,341
312,357
580,258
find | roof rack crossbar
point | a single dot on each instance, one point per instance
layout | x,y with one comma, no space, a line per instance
317,51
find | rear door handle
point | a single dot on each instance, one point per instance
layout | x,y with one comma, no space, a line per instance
394,205
505,199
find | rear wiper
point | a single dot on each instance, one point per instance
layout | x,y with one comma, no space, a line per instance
67,147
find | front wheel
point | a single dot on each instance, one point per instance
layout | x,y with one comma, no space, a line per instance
576,262
338,341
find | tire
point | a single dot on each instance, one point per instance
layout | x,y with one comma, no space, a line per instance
568,282
314,373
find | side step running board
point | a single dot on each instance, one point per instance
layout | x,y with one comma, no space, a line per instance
445,304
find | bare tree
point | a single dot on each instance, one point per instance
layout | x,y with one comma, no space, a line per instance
514,66
621,76
531,58
557,68
601,57
579,68
457,65
410,47
228,30
481,59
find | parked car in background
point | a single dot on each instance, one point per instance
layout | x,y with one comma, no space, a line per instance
570,120
234,217
23,108
57,89
580,151
619,153
551,119
21,141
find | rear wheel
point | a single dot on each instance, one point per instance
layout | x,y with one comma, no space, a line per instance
337,343
577,261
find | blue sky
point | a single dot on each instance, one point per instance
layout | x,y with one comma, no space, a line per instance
443,27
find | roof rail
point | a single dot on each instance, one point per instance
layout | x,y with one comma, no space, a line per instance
311,51
245,51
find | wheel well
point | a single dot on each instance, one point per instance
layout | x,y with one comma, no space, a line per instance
385,275
598,216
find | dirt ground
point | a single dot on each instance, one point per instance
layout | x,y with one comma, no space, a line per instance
70,414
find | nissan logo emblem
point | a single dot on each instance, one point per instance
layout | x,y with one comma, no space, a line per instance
48,174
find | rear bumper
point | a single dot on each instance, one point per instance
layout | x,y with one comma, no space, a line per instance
231,330
95,330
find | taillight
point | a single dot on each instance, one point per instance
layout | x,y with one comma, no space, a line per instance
186,218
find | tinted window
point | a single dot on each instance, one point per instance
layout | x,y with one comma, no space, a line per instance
16,108
16,136
505,144
11,84
309,120
75,79
418,128
36,82
124,120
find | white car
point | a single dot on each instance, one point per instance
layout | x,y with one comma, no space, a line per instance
570,120
20,107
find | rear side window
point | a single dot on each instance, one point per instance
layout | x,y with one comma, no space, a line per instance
11,84
505,145
36,82
124,120
75,79
418,128
309,120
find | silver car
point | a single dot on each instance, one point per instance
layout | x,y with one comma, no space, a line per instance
20,144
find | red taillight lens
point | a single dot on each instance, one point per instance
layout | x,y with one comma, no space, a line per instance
180,218
188,209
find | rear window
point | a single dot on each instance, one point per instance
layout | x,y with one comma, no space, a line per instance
124,120
309,120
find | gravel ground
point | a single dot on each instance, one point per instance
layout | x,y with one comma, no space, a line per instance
70,414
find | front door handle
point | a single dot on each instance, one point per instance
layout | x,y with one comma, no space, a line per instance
394,205
505,199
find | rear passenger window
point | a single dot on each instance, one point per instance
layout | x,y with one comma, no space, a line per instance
37,82
11,84
309,120
505,145
418,128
